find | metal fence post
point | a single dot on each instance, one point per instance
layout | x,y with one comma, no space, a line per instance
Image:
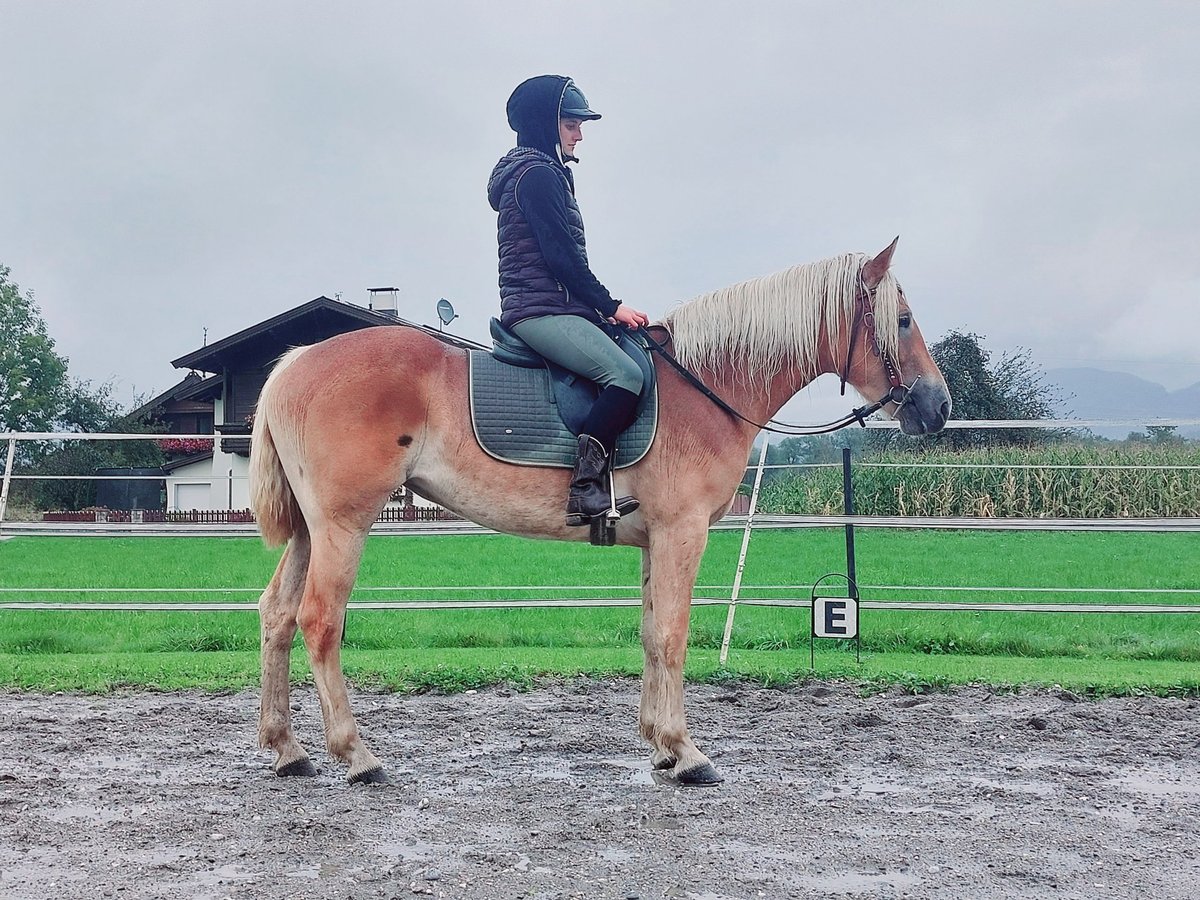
741,566
8,467
848,495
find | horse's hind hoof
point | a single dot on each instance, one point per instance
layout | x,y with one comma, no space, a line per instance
702,775
297,768
666,762
371,776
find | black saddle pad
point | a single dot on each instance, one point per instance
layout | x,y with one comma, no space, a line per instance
516,417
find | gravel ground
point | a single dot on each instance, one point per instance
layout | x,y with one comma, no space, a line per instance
548,794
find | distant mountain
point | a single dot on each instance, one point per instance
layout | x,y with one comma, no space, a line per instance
1098,394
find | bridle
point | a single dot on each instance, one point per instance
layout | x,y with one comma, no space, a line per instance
899,392
864,309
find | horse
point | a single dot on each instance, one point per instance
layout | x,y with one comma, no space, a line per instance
340,424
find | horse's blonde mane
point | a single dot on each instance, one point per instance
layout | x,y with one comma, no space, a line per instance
781,318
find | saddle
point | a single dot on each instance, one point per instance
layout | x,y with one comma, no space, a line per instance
529,411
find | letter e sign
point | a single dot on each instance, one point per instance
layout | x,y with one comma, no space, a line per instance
835,617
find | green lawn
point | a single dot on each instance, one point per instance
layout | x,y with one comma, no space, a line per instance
91,650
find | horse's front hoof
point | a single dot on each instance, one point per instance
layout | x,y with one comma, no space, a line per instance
702,775
374,775
297,768
662,762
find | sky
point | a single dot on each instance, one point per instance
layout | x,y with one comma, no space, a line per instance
171,170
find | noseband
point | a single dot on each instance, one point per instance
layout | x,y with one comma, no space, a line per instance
898,393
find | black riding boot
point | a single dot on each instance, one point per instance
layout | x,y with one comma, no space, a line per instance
590,496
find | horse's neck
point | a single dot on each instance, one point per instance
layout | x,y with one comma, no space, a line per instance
756,398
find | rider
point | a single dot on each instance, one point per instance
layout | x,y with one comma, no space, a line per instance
548,294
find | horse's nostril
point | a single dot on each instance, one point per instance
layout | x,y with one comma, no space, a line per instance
944,410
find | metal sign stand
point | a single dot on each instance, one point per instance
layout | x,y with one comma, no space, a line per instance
834,616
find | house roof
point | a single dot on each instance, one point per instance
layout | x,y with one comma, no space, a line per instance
281,331
193,387
173,465
308,323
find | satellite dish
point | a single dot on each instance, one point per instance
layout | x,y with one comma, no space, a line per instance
445,311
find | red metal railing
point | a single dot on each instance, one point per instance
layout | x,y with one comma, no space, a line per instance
225,516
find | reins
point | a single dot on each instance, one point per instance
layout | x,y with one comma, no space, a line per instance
898,393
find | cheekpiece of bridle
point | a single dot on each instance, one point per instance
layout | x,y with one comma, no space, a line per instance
864,316
899,392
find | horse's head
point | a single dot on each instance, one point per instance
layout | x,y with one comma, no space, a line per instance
886,355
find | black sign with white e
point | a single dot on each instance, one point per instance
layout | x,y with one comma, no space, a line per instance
835,617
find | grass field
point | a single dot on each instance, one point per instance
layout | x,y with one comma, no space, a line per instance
412,648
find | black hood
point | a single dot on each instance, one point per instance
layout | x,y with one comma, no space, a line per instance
533,112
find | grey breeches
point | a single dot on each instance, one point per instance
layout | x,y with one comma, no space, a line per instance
576,344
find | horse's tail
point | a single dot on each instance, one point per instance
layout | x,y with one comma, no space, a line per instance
271,497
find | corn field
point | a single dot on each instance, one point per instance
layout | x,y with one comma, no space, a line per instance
1058,481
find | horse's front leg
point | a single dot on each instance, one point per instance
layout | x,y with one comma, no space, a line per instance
669,568
659,759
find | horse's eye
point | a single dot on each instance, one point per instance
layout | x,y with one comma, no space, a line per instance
905,320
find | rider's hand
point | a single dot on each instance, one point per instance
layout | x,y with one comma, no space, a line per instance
630,317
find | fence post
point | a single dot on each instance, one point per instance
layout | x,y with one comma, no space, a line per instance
737,578
848,495
8,467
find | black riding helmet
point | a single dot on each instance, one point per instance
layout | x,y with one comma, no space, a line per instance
536,106
574,105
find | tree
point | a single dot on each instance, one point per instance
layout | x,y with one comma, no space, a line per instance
37,395
33,377
964,365
804,450
822,448
1164,435
1012,388
88,409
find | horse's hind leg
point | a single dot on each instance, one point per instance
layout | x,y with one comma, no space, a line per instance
335,555
277,615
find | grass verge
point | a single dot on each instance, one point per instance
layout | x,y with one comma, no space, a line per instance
458,669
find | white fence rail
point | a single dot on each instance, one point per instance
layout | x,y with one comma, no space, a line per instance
745,523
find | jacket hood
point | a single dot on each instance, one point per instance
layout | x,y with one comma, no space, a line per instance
533,112
510,161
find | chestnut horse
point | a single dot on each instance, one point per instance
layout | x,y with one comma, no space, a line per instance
342,423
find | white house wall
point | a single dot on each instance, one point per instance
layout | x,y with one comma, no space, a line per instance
187,484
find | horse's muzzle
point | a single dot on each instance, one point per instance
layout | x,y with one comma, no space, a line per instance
926,410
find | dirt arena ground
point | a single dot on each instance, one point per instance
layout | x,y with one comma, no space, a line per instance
548,794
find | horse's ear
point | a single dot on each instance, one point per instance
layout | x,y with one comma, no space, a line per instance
874,271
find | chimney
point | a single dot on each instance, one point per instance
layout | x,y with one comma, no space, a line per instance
384,300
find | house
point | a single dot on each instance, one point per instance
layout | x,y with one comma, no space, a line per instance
186,408
222,402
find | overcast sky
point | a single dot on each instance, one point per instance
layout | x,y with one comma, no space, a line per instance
172,167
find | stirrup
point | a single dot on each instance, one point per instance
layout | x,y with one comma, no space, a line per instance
602,526
602,531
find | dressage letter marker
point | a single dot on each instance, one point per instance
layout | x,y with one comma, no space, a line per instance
835,617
